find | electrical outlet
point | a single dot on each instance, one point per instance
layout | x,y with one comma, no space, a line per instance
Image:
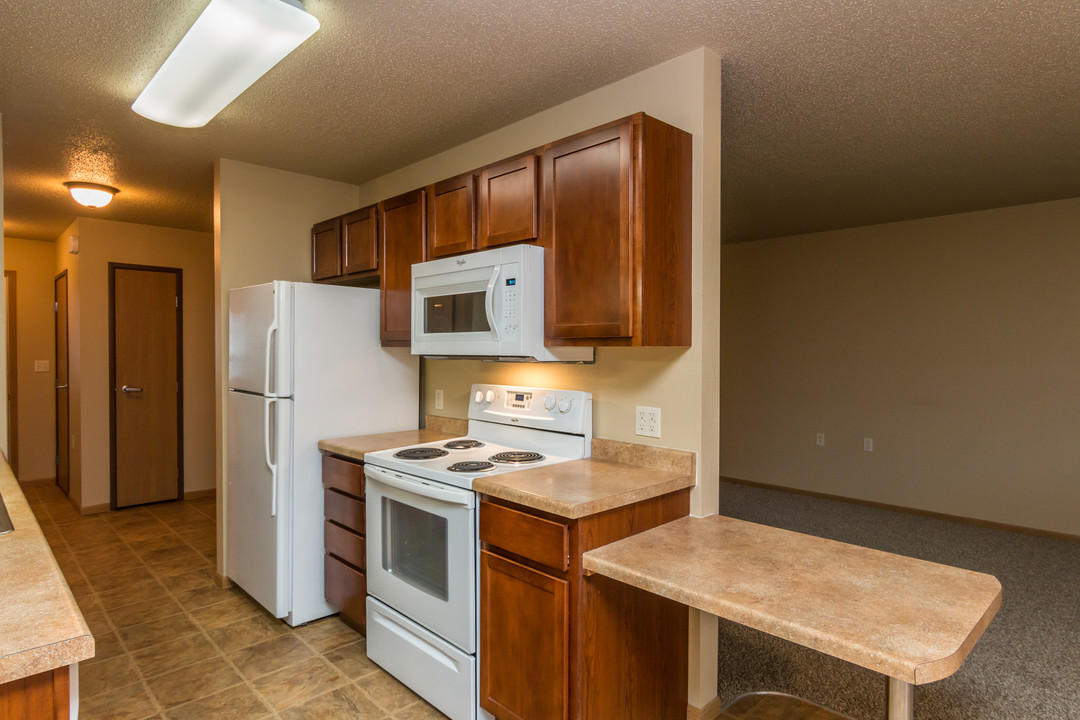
821,439
41,366
438,399
648,422
868,444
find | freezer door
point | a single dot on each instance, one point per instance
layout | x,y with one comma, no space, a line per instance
257,507
260,339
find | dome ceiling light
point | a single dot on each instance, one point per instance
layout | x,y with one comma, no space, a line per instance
91,194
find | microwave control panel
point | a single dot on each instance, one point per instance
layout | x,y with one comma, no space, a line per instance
511,303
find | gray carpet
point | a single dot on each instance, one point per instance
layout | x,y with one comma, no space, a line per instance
1025,667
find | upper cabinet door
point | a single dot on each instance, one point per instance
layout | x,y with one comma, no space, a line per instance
589,279
360,241
451,216
403,237
326,249
509,202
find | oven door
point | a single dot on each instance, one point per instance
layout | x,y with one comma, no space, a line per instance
421,552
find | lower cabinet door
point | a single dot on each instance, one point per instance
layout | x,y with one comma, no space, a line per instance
346,589
524,636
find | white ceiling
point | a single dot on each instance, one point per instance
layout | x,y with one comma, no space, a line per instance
836,113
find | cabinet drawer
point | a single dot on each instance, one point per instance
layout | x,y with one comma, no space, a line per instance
345,510
343,475
346,545
526,535
346,589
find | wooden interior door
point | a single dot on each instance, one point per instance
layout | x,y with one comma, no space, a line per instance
11,333
146,400
63,431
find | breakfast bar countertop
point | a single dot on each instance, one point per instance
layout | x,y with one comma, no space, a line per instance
41,627
909,619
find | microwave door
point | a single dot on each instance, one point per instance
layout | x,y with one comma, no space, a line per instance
461,318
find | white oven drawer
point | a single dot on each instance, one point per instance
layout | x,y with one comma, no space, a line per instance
433,668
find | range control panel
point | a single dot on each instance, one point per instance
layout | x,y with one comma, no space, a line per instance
560,410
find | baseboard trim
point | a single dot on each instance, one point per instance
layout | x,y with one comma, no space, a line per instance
199,494
222,581
40,482
94,509
911,511
711,711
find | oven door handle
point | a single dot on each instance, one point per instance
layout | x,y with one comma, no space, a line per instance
446,494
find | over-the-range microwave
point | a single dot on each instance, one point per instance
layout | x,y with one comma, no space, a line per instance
486,304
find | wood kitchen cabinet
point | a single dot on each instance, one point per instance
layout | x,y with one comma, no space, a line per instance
509,203
451,216
555,643
326,250
344,536
616,216
403,239
360,242
37,697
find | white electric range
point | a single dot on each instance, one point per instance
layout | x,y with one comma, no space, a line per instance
422,525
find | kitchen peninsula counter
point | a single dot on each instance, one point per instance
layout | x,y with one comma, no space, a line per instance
41,627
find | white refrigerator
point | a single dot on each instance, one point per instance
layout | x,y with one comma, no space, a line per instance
305,364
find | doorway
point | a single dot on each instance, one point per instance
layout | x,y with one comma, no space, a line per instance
63,406
11,333
145,372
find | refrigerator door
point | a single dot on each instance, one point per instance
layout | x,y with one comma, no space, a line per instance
259,516
260,339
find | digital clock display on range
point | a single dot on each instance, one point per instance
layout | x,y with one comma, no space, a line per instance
519,400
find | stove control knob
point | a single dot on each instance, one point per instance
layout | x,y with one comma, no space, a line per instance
489,397
549,402
479,397
565,404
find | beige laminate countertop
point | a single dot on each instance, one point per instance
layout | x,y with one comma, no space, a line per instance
356,446
41,627
906,618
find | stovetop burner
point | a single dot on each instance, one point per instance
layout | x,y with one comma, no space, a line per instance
420,453
516,457
463,444
472,466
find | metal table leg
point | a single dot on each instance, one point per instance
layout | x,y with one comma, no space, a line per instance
901,700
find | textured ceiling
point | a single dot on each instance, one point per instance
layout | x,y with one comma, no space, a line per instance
836,113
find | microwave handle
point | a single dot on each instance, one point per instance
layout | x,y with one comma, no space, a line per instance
489,301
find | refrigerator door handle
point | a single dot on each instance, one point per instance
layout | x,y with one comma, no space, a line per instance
270,333
269,459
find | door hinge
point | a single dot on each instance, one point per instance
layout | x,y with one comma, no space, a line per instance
177,302
56,306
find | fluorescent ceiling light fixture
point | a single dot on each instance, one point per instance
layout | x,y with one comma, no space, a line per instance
91,194
230,46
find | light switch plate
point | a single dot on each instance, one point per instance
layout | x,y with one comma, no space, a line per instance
41,366
438,399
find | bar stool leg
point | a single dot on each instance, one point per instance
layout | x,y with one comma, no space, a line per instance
901,700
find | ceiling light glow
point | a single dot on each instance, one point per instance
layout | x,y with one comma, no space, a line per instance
230,46
91,194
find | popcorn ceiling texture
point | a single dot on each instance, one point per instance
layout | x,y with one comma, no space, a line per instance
835,113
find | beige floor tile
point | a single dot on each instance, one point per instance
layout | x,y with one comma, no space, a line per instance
97,621
152,590
387,692
181,565
122,578
247,632
298,683
236,703
181,551
98,676
161,539
203,596
193,682
142,612
327,634
345,703
108,563
89,551
352,660
419,711
174,654
146,532
235,608
128,703
269,656
148,634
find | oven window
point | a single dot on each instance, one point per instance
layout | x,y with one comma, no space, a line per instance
415,547
463,312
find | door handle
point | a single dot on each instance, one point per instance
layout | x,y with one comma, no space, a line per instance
62,387
129,389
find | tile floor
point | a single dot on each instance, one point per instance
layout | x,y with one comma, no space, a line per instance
172,644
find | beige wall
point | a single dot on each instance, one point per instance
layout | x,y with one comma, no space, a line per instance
262,232
34,264
683,382
952,341
102,242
